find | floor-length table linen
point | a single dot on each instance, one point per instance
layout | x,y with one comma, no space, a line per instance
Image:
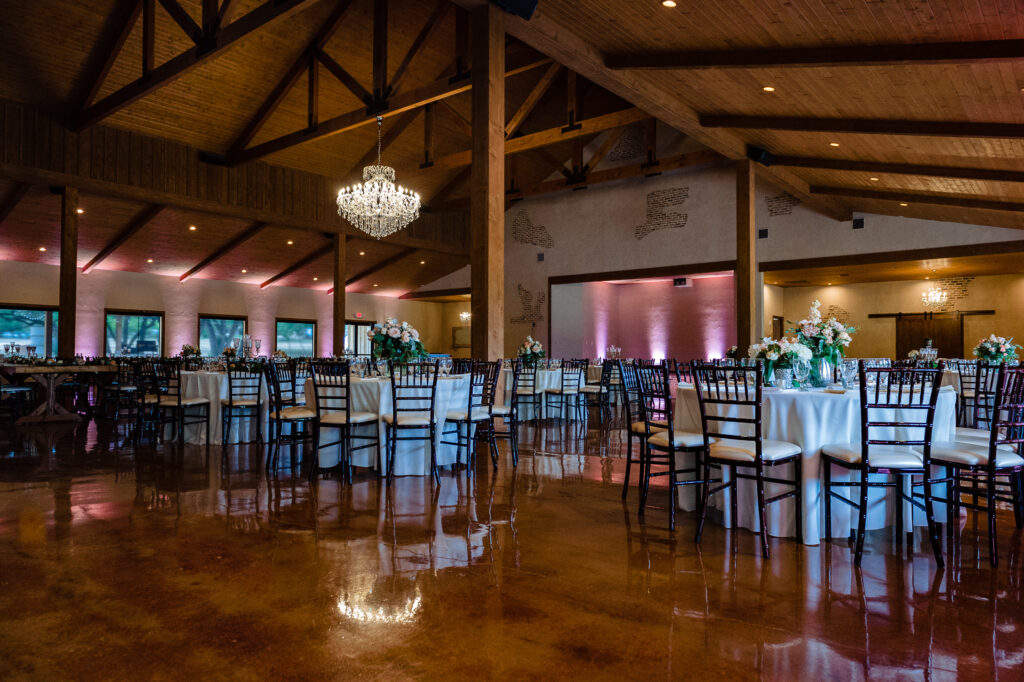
812,419
214,387
546,378
412,457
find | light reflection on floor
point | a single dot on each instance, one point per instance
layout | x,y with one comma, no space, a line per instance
118,564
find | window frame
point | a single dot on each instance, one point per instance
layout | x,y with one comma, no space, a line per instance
244,319
139,313
42,308
298,320
362,323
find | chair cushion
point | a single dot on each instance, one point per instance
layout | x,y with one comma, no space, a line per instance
969,435
294,413
680,439
744,451
970,454
500,410
239,403
411,419
340,419
480,414
558,391
593,388
524,391
882,456
656,425
172,401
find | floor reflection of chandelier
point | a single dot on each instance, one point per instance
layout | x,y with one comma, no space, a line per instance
378,206
934,297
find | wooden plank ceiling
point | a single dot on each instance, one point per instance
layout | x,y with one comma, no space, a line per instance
214,106
921,269
853,85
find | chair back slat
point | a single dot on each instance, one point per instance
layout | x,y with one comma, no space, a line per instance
245,382
413,387
734,394
331,385
167,377
901,402
483,383
462,365
573,375
655,393
1008,409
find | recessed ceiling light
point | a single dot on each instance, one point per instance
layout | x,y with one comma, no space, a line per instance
192,228
244,271
423,262
833,144
668,3
927,277
903,203
79,211
830,283
149,260
873,179
768,88
42,248
290,242
362,253
315,278
376,285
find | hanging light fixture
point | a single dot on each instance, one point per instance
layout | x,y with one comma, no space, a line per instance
378,206
934,297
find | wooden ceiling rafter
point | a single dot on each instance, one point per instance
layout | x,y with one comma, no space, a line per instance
532,100
868,126
433,21
143,218
882,167
226,248
918,198
96,75
223,38
377,267
826,56
444,194
13,198
314,255
287,82
184,19
460,121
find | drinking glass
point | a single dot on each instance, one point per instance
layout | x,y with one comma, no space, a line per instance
802,373
257,344
235,341
848,373
7,349
382,367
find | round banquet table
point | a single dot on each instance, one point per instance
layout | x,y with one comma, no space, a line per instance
412,458
546,378
812,419
214,387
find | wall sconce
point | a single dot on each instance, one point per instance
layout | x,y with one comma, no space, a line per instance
465,316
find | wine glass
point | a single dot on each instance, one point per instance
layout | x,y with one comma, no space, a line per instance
382,367
7,349
848,373
256,342
802,373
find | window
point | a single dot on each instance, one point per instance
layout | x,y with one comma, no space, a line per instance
135,333
356,341
217,333
28,326
297,338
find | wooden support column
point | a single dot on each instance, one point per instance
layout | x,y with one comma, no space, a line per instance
338,320
67,300
487,184
746,256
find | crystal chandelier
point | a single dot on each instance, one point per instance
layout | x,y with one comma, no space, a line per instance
378,206
934,298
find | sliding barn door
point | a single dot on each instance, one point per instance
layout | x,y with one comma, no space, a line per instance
946,330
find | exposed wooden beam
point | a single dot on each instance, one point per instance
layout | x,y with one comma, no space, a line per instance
232,244
68,278
338,304
313,94
610,140
460,121
210,16
267,14
380,50
433,21
992,174
12,199
834,55
444,194
461,43
141,219
555,162
871,126
532,99
437,293
651,141
745,273
373,269
96,75
551,136
386,140
148,37
428,136
184,19
347,79
228,9
301,263
917,198
287,82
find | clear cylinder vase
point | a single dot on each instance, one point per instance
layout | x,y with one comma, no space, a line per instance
823,372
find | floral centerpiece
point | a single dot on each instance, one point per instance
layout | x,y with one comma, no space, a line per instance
531,351
778,354
229,352
393,341
189,351
827,340
733,353
996,349
280,354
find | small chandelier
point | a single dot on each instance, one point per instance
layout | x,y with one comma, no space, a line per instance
378,206
934,298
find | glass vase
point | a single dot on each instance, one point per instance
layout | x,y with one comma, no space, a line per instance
823,372
784,378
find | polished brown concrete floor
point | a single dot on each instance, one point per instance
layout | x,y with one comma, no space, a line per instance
171,565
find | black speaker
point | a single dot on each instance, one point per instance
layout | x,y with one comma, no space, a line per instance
761,156
520,8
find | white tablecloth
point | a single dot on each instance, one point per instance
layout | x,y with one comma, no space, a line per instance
812,419
214,387
546,378
412,458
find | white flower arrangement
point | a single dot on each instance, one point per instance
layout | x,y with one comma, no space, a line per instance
394,341
189,350
733,353
913,354
826,338
779,353
996,349
531,350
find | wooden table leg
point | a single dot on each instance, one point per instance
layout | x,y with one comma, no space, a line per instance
50,409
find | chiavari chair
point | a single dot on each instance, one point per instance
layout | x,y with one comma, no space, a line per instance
332,398
478,415
413,397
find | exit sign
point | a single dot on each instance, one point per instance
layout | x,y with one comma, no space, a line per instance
359,316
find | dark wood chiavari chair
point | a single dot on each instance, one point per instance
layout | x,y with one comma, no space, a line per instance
413,397
526,393
120,397
245,399
509,413
988,462
462,365
662,442
298,418
333,402
897,413
966,371
172,406
568,392
478,414
732,431
599,395
637,425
